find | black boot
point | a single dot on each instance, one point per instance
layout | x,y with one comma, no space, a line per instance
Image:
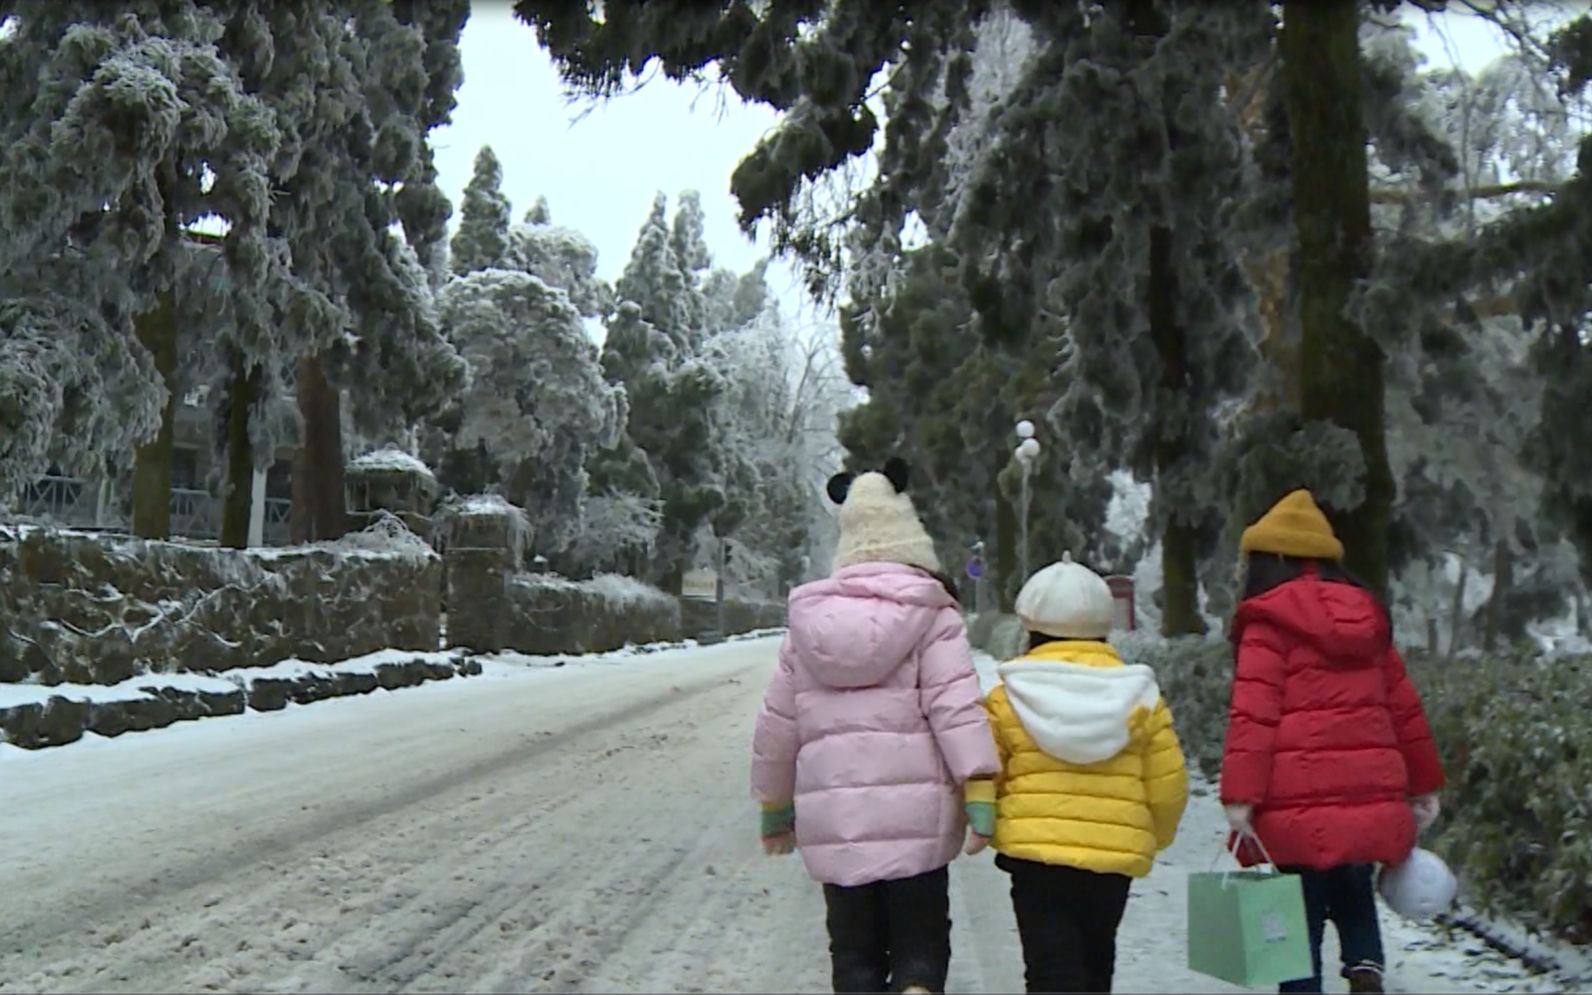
1364,978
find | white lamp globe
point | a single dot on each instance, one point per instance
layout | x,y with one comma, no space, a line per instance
1029,449
1025,429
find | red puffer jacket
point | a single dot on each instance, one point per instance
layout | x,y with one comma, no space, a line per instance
1326,736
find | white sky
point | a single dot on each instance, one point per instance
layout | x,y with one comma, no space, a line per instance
600,172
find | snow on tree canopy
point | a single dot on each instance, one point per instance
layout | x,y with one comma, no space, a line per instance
72,390
117,135
482,237
537,401
561,258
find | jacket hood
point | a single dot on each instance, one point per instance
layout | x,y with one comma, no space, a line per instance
1082,711
852,630
1344,622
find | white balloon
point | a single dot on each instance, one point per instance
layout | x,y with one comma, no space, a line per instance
1420,888
1025,429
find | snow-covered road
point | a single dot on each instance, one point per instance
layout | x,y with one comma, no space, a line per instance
533,829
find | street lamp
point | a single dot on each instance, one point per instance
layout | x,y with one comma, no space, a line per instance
1026,453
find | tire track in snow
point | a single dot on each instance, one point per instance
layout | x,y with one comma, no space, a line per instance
216,920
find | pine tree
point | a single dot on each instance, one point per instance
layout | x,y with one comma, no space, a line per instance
482,237
121,131
537,405
367,84
653,349
540,213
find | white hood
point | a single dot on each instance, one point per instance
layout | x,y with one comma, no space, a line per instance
1078,713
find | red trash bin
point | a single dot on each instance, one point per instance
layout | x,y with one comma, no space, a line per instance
1122,590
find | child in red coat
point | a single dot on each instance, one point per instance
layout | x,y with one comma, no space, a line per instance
1328,760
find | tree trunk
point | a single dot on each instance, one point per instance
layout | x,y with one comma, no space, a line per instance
1503,580
320,509
1341,368
1180,590
1180,585
238,497
1456,617
157,332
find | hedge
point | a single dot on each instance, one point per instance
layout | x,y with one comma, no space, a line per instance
1515,734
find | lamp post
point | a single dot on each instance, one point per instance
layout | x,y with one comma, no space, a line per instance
1027,451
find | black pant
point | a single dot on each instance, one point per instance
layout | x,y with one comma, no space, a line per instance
890,935
1067,919
1347,896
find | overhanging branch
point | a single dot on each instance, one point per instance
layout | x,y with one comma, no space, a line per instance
1491,191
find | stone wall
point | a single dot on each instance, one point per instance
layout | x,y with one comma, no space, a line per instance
492,605
700,617
88,609
543,614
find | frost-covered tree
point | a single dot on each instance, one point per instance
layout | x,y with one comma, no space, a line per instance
537,406
652,350
1466,343
562,258
658,283
124,127
775,421
947,401
482,237
1080,168
73,388
360,85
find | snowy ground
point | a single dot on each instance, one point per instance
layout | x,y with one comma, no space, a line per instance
580,828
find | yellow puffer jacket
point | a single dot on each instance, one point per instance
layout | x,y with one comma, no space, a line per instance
1091,772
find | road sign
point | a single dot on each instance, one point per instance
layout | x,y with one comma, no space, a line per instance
975,567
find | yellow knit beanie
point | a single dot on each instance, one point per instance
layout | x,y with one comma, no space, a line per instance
1294,527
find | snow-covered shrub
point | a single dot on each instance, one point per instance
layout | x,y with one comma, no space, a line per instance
1516,744
1195,673
615,527
387,534
626,593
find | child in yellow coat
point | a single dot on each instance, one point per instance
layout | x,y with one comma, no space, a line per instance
1092,781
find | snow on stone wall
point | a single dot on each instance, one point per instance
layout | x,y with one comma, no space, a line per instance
86,609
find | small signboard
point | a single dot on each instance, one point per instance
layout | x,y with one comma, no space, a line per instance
700,584
975,567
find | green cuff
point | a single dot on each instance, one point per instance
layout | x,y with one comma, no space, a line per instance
981,818
778,819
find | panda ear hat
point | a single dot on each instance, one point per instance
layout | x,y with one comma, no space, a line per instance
840,485
898,472
877,520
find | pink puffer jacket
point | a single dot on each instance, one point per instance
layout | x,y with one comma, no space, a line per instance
871,724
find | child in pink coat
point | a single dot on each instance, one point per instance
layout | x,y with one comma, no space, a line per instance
873,754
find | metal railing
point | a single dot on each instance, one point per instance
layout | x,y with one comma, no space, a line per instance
73,503
65,500
194,514
278,521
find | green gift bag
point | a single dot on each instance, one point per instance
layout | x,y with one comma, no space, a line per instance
1248,928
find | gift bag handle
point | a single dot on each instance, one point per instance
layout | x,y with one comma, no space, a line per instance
1232,851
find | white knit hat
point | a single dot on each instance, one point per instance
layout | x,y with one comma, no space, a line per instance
878,523
1067,600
